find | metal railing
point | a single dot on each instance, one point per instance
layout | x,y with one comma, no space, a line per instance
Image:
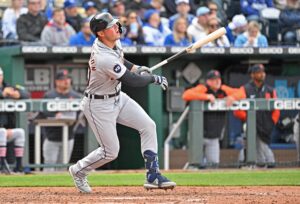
195,124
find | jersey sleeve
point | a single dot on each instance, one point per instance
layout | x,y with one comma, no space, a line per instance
112,66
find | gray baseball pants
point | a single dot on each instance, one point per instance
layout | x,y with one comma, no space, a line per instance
53,153
102,116
264,153
211,150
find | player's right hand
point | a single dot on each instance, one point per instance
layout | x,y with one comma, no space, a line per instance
143,69
162,81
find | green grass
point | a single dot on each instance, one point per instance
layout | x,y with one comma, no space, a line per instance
199,178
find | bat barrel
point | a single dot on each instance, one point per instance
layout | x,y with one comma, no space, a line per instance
212,36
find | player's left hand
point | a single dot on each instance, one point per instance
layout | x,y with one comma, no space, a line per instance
162,81
142,70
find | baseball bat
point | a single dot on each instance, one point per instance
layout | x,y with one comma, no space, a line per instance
212,36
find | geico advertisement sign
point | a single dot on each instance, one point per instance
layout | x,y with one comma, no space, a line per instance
12,106
221,105
287,104
63,106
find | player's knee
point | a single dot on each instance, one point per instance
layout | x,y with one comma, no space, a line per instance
112,152
19,136
114,155
151,126
3,137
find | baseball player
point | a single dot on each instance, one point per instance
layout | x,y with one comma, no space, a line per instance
265,120
104,105
214,121
8,127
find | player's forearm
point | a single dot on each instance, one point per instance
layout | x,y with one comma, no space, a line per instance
136,80
128,65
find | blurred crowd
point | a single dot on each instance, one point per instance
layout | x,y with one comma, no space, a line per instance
249,23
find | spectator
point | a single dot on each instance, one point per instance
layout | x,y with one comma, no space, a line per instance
198,28
213,25
90,8
154,31
8,128
134,30
31,24
117,8
296,131
183,8
252,37
214,121
57,31
289,22
9,19
170,6
137,6
72,16
265,120
85,37
52,146
252,8
237,26
280,4
179,36
101,5
125,41
159,6
217,11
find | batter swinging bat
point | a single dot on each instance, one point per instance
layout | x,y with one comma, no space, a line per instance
212,36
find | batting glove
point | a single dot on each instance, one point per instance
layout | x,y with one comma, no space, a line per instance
161,80
142,70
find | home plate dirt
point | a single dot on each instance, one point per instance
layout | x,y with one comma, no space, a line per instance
240,195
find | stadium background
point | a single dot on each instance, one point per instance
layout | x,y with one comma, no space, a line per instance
35,66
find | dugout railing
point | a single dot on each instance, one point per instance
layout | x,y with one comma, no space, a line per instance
195,111
195,121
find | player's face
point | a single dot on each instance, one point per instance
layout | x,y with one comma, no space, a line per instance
63,84
112,33
259,76
214,84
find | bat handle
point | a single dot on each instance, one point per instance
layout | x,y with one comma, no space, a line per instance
158,65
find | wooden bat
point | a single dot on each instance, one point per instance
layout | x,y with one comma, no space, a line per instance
212,36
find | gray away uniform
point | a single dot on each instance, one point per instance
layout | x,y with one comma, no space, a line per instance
106,67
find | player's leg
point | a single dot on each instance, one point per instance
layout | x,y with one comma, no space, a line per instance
203,160
3,142
18,136
269,156
260,155
61,151
101,116
212,152
132,115
50,153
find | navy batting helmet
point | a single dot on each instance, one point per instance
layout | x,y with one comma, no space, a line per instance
103,21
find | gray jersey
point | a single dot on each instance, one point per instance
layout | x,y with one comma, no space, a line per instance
106,66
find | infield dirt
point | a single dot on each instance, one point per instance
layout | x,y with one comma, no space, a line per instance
240,195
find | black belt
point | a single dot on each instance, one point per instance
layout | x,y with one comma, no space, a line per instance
106,96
